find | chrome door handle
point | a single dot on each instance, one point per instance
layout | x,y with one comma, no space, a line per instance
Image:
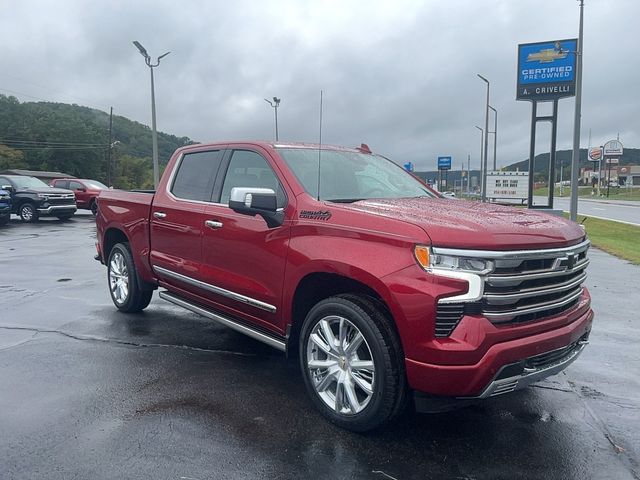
159,214
213,224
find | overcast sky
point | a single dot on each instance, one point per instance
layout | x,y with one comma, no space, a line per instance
397,75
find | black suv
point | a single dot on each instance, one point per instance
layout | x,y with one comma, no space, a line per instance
32,198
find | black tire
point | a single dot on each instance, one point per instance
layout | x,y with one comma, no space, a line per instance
94,207
385,397
121,272
28,212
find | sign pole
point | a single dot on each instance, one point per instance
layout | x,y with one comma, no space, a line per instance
552,154
575,158
532,151
600,169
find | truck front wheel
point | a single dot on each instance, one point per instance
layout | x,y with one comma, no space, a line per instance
28,212
123,283
352,362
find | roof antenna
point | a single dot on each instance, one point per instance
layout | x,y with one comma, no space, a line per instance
320,145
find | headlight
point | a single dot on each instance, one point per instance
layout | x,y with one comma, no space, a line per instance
43,195
468,269
436,261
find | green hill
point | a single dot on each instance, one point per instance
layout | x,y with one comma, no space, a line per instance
631,156
74,139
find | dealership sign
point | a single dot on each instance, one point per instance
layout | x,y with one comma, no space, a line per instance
444,163
546,70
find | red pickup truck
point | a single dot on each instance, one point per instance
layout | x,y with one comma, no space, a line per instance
339,257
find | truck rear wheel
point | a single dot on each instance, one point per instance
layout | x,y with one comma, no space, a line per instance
123,282
352,362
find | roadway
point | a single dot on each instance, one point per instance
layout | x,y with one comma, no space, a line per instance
618,210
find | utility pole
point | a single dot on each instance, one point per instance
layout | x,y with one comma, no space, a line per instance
486,142
468,174
495,135
110,146
481,156
575,158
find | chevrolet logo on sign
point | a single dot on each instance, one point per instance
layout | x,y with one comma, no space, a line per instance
547,55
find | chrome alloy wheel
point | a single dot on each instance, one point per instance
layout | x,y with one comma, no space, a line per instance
26,212
340,365
118,278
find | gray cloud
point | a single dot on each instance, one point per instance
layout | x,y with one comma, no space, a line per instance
400,76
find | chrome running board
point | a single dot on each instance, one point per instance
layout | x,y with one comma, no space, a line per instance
272,341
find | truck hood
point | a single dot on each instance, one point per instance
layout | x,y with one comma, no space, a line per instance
45,190
484,226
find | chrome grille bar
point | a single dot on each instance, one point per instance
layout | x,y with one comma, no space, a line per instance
539,307
510,298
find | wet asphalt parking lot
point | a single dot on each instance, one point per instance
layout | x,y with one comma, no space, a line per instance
89,393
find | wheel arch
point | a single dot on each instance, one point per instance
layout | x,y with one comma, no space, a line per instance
113,236
317,286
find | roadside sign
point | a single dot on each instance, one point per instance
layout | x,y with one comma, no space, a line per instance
595,154
508,185
613,148
444,163
613,160
546,70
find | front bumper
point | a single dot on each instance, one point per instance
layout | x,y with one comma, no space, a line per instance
57,210
503,368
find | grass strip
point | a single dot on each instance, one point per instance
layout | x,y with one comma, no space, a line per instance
616,238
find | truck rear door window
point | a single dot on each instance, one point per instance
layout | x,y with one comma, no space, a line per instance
195,176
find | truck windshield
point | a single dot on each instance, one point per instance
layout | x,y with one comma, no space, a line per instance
347,176
28,182
94,184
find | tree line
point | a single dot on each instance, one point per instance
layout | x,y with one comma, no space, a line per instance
75,140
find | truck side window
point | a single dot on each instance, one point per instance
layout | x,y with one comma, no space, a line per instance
195,176
250,169
75,186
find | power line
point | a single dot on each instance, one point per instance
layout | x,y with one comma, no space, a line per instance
59,148
53,143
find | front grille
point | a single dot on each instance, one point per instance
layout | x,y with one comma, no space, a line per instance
61,198
523,286
515,292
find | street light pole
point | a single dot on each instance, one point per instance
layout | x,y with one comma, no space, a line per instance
154,133
275,104
481,156
575,158
486,142
495,135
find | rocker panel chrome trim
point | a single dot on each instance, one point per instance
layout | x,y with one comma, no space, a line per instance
215,289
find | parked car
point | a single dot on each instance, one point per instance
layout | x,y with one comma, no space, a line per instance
31,198
5,206
86,191
381,291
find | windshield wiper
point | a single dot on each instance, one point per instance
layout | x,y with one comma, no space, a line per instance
344,200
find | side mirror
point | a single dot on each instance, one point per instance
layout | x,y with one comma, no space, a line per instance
81,189
8,188
257,201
